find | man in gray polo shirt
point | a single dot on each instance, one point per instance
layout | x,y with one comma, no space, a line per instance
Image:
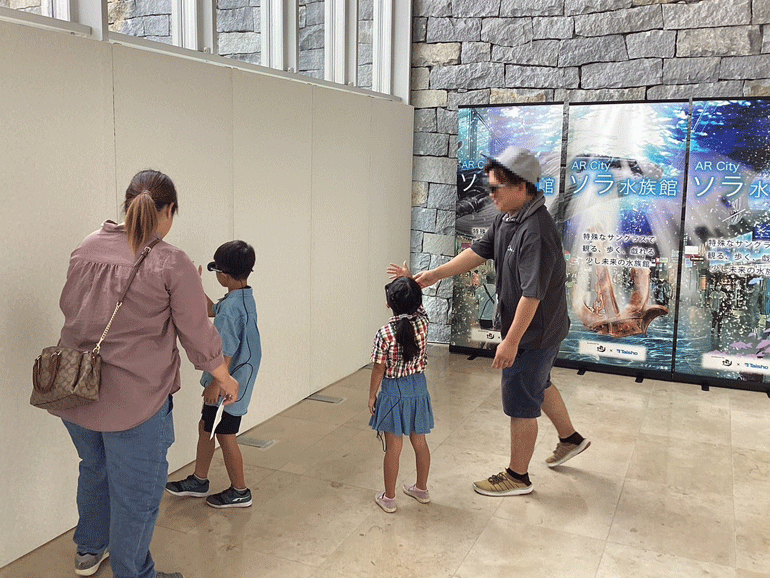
531,272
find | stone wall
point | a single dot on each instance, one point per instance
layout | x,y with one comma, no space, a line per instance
150,19
469,52
31,6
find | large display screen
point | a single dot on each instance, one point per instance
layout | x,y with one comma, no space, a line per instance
621,213
664,210
723,326
489,130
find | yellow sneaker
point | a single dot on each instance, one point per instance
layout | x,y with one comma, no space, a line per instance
502,484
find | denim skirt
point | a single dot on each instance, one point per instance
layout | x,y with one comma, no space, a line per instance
403,406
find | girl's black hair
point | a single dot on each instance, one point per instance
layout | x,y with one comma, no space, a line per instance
404,296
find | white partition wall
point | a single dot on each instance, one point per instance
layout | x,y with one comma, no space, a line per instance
175,116
318,180
273,198
56,186
341,244
390,205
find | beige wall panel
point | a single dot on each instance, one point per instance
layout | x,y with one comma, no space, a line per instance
57,167
272,169
390,209
339,298
175,116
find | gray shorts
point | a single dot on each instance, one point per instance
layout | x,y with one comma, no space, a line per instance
524,383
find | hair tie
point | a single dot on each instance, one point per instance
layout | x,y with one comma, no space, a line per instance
409,316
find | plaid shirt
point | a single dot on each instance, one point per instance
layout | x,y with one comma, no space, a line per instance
388,352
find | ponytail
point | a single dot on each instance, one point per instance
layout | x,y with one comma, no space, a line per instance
148,192
406,339
404,297
141,221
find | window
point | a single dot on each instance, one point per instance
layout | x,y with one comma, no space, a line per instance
311,38
365,22
238,30
150,19
32,6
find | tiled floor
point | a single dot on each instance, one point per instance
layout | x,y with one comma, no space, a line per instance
676,483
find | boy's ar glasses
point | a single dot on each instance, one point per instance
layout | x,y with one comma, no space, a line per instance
213,267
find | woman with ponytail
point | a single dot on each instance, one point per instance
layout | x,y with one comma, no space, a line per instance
122,439
403,406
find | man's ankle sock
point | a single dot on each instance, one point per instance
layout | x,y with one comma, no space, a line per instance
524,478
575,438
201,480
243,491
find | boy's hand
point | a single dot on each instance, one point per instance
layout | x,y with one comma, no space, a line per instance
211,393
396,271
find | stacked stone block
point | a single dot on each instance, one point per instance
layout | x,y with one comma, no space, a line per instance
238,30
150,19
468,52
31,6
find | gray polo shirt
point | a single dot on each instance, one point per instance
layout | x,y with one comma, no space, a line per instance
529,261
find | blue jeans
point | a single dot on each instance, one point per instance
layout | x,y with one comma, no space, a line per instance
122,478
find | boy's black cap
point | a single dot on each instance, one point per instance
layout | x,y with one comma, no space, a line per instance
234,258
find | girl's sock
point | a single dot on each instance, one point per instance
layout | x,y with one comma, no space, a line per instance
201,480
243,491
575,438
524,478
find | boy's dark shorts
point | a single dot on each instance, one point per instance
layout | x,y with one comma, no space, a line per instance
228,426
524,384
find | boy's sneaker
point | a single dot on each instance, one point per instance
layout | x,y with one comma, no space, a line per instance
88,564
168,575
422,496
566,451
190,486
502,484
387,504
230,498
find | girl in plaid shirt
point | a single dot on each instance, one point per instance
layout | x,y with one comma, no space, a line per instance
403,405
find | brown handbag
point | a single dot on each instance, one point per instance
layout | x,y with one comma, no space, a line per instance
62,377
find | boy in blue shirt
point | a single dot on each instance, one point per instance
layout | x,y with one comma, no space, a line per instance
235,317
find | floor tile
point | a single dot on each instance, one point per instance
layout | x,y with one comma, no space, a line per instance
566,499
751,430
687,466
507,548
621,561
699,526
417,541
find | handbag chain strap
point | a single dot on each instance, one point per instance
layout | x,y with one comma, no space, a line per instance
145,252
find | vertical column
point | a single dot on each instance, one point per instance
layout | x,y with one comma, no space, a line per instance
280,35
341,41
91,13
401,50
382,46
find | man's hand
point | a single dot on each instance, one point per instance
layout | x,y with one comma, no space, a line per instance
505,354
426,278
396,271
